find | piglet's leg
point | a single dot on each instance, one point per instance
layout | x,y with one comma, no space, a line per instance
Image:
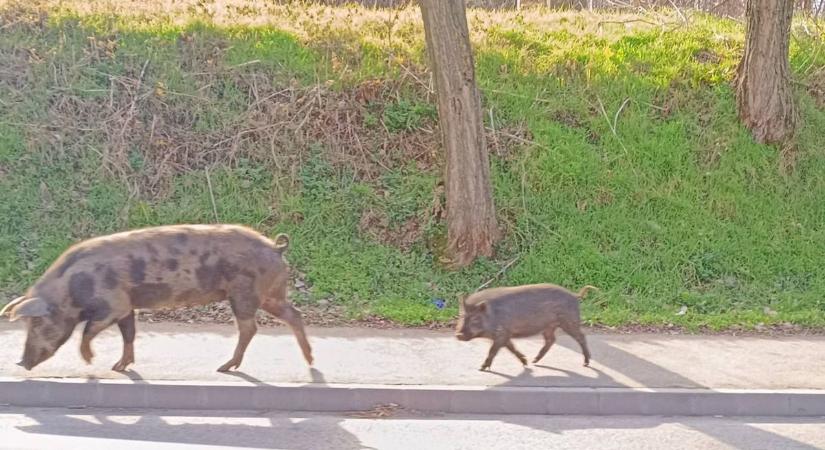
574,330
549,339
498,342
518,354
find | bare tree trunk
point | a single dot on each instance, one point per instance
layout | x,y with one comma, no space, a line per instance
763,84
471,219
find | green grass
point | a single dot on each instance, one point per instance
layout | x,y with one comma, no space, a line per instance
639,179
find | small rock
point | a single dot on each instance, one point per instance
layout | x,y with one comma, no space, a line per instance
299,284
682,311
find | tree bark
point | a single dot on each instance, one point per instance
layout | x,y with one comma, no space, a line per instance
471,219
763,83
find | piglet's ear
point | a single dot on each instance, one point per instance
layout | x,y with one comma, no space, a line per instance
33,307
482,307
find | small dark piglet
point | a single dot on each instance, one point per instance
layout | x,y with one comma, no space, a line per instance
103,280
503,313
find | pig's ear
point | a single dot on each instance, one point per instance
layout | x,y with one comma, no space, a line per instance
7,309
482,307
33,307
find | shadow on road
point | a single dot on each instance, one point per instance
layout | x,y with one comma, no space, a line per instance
730,431
312,433
276,431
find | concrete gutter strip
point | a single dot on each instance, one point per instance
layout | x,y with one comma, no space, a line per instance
448,399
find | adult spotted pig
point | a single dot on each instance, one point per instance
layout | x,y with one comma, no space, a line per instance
103,280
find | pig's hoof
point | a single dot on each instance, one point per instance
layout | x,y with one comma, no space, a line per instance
587,364
87,356
121,365
228,366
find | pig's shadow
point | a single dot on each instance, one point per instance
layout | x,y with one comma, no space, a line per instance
244,376
316,375
279,430
273,430
133,375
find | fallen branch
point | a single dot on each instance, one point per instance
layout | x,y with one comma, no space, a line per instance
520,139
212,195
498,274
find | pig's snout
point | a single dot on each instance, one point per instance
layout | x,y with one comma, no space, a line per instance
462,336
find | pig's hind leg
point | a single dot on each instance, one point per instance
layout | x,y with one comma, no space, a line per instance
289,314
574,330
127,331
549,339
244,304
518,354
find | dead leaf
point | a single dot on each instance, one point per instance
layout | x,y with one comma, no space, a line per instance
378,411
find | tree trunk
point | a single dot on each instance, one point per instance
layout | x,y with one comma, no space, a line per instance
763,84
471,219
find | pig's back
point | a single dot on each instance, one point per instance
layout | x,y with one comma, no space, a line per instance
164,266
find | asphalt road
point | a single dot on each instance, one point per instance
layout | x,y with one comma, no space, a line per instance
126,429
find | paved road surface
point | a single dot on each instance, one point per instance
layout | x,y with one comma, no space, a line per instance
415,357
105,429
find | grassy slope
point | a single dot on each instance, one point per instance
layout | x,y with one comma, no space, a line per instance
676,207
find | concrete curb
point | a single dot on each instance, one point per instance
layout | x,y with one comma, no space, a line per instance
448,399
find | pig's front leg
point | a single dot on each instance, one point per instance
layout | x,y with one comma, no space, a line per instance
499,340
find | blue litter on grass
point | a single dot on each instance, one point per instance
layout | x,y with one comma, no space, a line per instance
439,303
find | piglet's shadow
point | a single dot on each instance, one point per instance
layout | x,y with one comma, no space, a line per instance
562,377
